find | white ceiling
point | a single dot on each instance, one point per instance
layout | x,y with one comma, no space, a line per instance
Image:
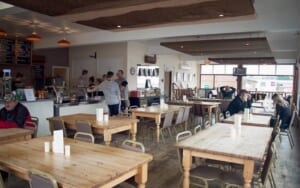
278,20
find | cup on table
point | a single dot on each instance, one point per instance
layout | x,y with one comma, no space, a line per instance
67,150
237,120
47,147
105,117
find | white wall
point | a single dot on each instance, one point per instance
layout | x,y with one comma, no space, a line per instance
109,57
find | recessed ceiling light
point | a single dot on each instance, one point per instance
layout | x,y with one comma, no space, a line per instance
255,52
247,44
119,26
181,46
221,15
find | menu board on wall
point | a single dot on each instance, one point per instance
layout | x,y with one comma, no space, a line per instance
7,50
14,51
23,52
38,70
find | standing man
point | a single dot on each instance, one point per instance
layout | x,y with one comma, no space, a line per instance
111,91
123,89
83,80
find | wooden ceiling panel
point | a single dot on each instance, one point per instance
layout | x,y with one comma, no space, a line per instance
205,10
244,61
242,47
63,7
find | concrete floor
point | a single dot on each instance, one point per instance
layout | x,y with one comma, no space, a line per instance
164,171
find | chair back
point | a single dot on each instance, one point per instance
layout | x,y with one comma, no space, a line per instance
183,135
221,117
168,120
206,124
197,129
40,179
227,114
267,165
292,122
186,114
180,115
155,104
57,124
132,107
83,126
85,137
133,146
32,125
1,182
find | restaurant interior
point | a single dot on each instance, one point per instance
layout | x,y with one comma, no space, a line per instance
186,65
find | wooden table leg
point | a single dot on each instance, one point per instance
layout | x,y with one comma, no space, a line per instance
187,162
107,138
248,173
157,122
142,176
133,131
209,114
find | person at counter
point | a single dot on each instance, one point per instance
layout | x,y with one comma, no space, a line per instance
83,79
13,114
227,92
283,110
240,102
111,91
123,89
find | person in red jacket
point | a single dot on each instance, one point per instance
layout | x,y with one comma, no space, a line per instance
13,114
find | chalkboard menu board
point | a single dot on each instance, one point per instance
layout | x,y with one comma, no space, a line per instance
38,70
15,51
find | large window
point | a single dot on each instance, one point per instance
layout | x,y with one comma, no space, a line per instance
213,76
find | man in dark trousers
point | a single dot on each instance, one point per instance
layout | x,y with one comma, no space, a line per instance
240,102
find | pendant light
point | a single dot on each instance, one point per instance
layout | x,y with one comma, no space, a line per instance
3,33
64,41
34,36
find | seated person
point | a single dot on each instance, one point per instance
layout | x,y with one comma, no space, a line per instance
227,92
13,114
240,102
283,110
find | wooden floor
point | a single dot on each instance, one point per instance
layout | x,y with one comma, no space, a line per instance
164,171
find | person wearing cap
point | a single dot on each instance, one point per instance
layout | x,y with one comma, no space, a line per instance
240,102
13,114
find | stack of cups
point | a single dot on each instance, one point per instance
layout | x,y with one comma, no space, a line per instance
246,114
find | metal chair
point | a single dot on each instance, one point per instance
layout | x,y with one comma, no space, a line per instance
32,125
206,124
83,126
186,115
197,129
1,182
227,114
287,132
237,181
221,117
166,125
85,137
57,124
133,146
155,104
179,117
201,173
40,179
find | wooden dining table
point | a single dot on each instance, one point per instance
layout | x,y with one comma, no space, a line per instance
115,124
256,120
221,142
14,135
156,112
88,166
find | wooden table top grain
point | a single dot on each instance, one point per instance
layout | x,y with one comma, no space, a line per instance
158,109
89,165
256,120
14,134
250,143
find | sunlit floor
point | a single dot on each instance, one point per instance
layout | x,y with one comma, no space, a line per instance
164,171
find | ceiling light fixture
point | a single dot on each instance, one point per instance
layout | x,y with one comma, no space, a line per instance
247,44
3,33
119,26
34,36
221,15
64,41
181,46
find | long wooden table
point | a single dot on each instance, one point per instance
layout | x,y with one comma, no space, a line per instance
217,143
88,166
114,125
14,135
155,112
256,120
